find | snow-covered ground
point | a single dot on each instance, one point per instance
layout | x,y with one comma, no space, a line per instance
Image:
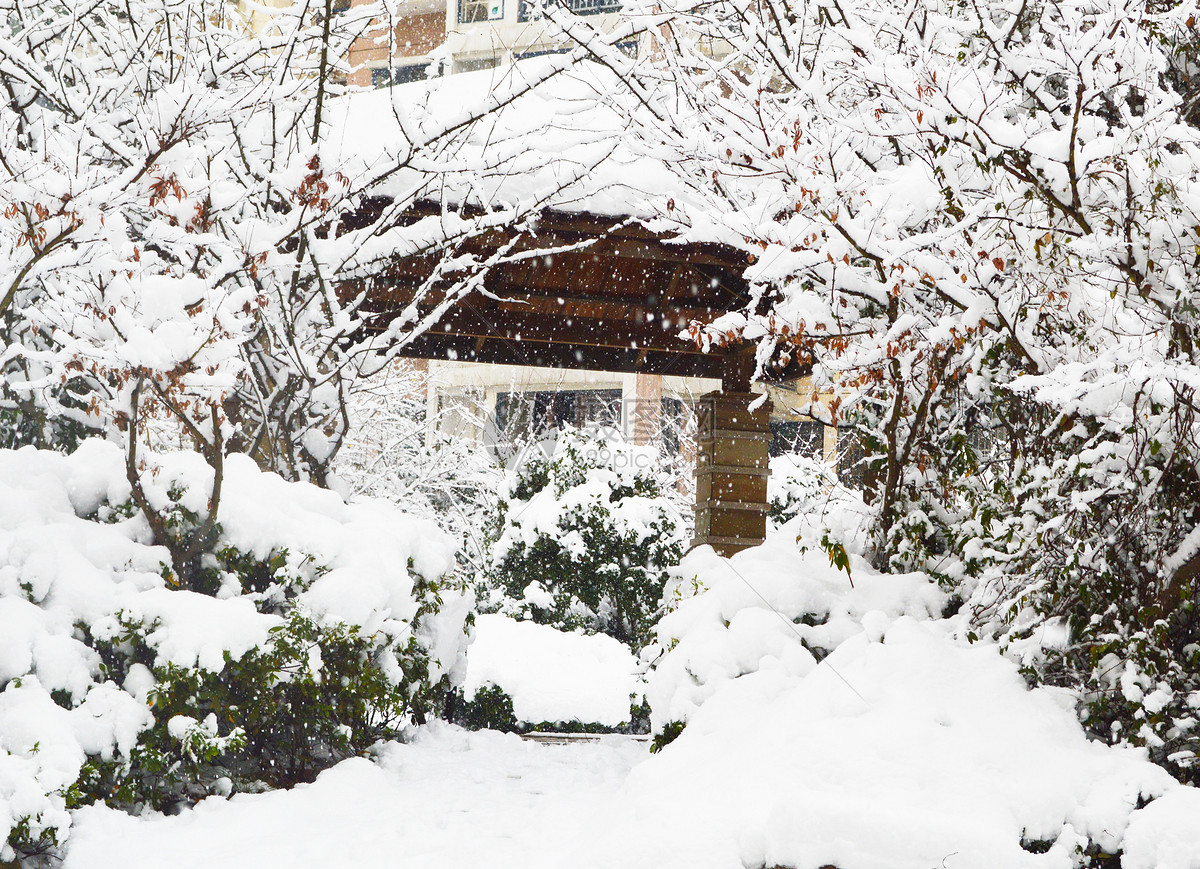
904,749
827,723
449,799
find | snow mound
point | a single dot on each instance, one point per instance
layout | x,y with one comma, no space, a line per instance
774,607
904,748
551,675
1165,834
836,719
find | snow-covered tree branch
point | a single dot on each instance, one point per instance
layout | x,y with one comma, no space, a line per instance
979,223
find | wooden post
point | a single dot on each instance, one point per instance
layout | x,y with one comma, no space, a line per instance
732,464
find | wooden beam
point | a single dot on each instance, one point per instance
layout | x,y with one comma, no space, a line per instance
501,322
547,355
732,468
738,373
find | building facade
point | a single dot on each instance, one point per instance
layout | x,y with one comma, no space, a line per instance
442,37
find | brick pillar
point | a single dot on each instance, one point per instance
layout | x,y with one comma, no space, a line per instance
362,51
646,411
731,471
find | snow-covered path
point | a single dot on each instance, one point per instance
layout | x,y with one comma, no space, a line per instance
479,800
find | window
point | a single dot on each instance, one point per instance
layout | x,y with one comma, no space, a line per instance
527,11
398,75
471,11
405,74
520,414
674,420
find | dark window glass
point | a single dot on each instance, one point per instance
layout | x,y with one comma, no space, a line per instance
598,407
405,74
398,75
674,417
527,11
535,413
798,437
850,468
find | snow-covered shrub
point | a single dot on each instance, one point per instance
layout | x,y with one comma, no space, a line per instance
393,450
1095,587
585,533
524,676
311,629
902,746
800,485
811,700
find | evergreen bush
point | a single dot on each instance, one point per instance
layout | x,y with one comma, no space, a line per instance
492,708
584,534
318,691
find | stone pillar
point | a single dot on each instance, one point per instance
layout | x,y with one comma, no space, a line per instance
731,470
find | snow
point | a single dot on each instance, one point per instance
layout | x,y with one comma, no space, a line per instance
551,675
768,608
831,718
584,162
195,630
366,548
448,799
1165,834
903,747
457,799
897,753
607,464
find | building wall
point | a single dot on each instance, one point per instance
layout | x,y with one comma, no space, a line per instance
481,44
479,385
419,30
258,15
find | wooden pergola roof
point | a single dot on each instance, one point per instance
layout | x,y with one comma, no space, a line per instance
610,299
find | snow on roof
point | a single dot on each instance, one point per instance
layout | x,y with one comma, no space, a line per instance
563,144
